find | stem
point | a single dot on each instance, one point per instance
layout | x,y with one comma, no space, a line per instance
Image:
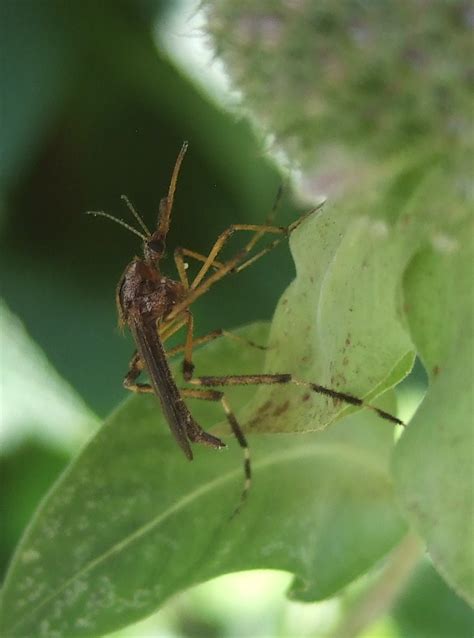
381,595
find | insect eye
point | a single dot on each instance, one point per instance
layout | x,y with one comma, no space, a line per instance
156,245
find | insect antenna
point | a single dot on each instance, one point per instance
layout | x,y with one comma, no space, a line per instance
135,213
101,213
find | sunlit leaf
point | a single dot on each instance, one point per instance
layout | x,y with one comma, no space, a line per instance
338,324
49,410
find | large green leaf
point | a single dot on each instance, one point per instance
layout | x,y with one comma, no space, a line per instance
428,607
132,522
338,324
433,463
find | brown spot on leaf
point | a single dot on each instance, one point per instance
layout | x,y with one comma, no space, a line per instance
338,380
264,407
261,414
436,370
305,396
281,409
253,422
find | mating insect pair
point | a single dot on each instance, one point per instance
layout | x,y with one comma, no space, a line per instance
155,307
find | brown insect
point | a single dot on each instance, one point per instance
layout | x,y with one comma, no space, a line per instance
155,307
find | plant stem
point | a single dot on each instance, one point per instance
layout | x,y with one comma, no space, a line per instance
381,595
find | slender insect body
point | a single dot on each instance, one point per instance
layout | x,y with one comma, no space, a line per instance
182,424
155,307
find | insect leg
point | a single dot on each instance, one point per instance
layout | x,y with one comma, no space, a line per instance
215,334
272,379
190,343
260,231
181,267
215,395
269,221
224,238
272,244
179,255
135,367
188,365
195,293
240,436
168,328
199,287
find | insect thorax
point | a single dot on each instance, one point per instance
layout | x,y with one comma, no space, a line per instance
144,292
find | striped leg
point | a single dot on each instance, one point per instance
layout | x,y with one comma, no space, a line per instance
272,379
216,395
136,366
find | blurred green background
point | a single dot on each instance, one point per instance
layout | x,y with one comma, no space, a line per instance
95,104
94,107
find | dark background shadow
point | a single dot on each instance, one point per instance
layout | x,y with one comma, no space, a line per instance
94,109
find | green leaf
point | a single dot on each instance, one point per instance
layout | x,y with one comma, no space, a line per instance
338,323
433,462
51,411
131,522
429,607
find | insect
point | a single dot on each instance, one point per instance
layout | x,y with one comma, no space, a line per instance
155,307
